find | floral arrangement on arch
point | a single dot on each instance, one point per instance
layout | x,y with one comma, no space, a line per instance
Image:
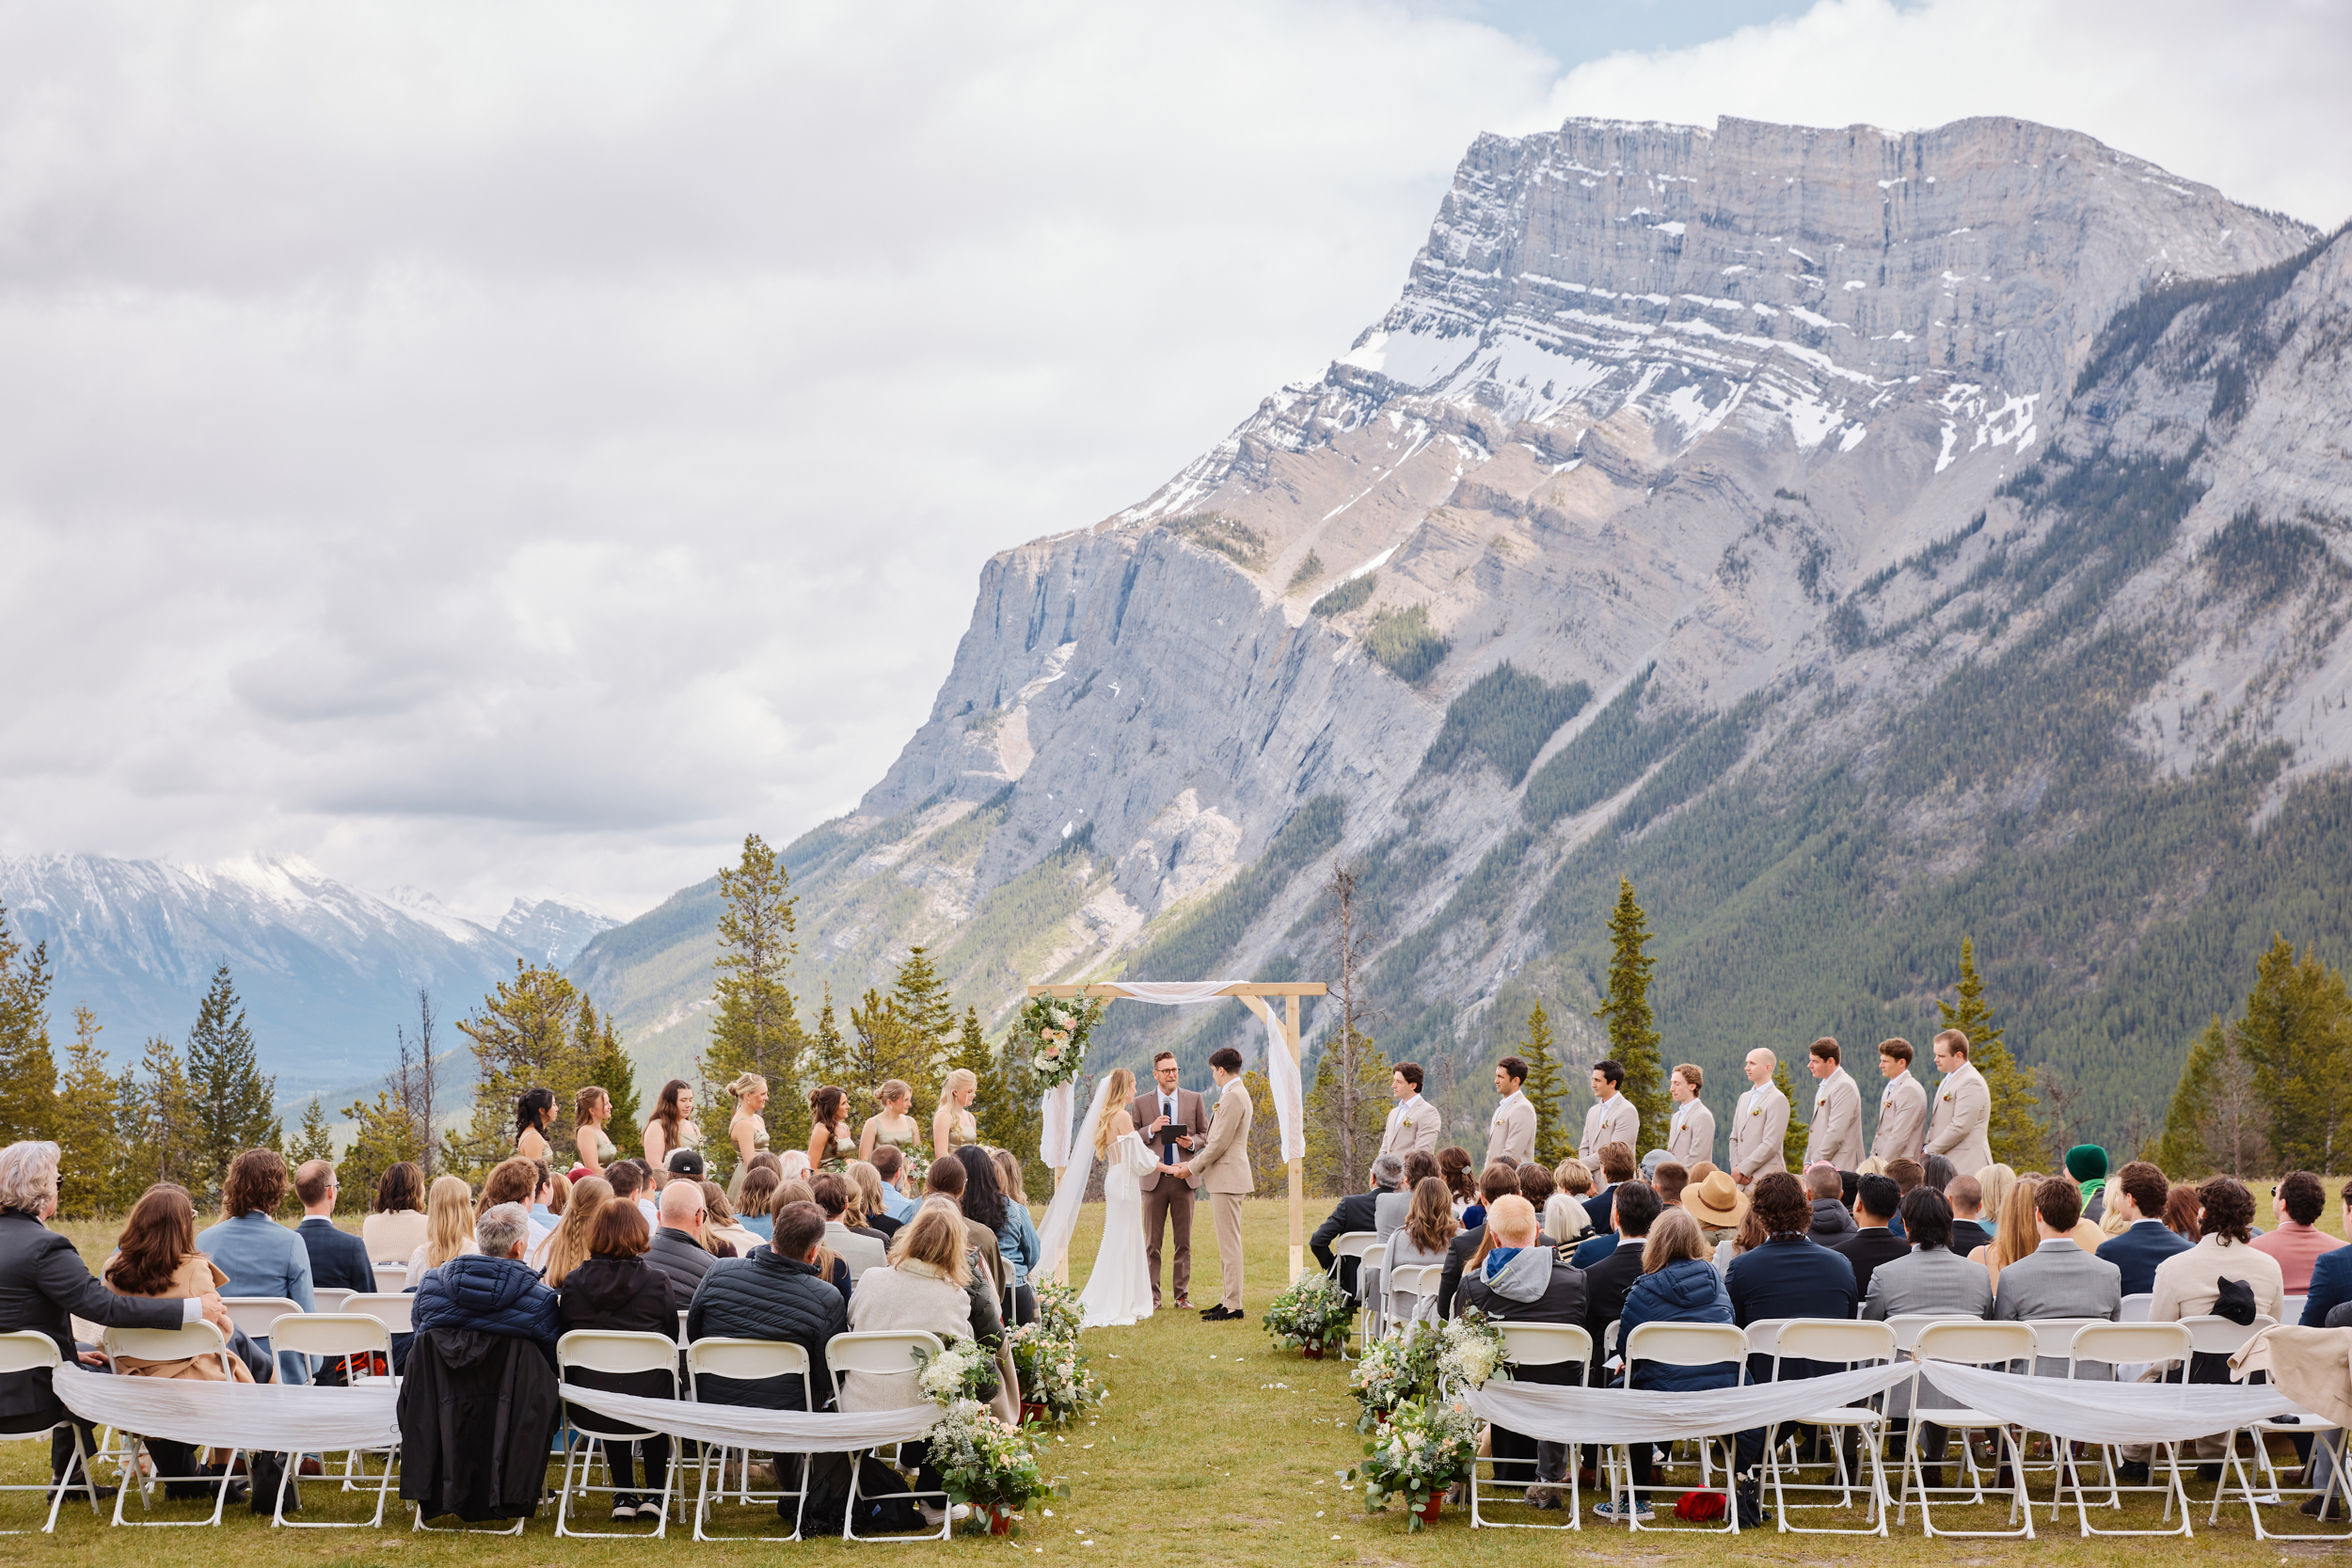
988,1465
1429,1446
1054,1381
1054,1030
1313,1313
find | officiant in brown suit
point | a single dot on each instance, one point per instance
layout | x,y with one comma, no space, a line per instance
1172,1121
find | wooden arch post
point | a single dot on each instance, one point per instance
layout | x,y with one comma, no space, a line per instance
1254,995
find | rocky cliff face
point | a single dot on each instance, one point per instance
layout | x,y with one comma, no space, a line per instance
1693,474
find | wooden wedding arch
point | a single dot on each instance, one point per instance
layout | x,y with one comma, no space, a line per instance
1253,994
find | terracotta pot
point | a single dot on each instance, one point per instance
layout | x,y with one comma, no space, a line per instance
1034,1413
1429,1510
999,1519
1312,1353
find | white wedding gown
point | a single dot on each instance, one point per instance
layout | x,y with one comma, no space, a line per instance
1119,1291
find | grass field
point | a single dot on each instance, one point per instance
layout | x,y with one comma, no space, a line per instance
1214,1449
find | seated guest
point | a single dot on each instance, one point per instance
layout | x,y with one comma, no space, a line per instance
568,1248
616,1289
1634,1210
629,1184
1716,1202
449,1228
1827,1190
924,1286
1429,1227
2331,1275
2297,1243
2086,1166
2137,1192
395,1228
1513,1279
2189,1283
1994,1181
1356,1212
1601,1243
755,1214
155,1258
891,1166
1668,1183
2058,1278
1018,1246
724,1235
678,1247
1563,1215
1391,1195
339,1259
1453,1168
1932,1278
1616,1165
1536,1186
492,1290
1677,1285
778,1293
2015,1236
948,1178
1872,1242
45,1285
1906,1174
514,1180
1935,1171
1964,1196
869,1200
261,1257
1789,1275
1499,1180
2181,1209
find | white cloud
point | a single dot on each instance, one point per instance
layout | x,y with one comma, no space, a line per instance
519,448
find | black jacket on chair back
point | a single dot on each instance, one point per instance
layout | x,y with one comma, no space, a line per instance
477,1414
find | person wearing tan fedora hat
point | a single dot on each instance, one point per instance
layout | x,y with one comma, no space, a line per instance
1717,1203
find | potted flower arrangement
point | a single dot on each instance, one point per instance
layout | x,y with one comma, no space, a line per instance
1473,1351
1313,1313
1398,1368
989,1466
1054,1030
1055,1382
962,1372
1059,1313
1430,1445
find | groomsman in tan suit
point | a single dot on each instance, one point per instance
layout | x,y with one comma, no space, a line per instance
1612,1119
1834,1137
1414,1124
1759,1120
1903,1108
1511,1137
1223,1167
1961,1121
1691,1130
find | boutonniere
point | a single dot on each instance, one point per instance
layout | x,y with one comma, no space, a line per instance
1755,1110
1948,1094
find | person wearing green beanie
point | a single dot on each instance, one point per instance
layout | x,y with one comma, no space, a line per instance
2087,1164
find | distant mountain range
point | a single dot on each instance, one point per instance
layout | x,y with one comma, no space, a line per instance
327,971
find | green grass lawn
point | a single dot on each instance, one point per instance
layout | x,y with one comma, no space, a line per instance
1216,1448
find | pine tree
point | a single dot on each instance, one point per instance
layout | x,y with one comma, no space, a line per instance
2018,1138
234,1102
1632,1028
525,1036
920,1000
1791,1141
1328,1174
29,1067
88,1131
313,1138
882,1045
2296,1035
755,1028
1544,1088
161,1132
2215,1122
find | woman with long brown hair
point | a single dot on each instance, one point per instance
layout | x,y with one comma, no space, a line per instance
395,1228
614,1289
671,1125
592,1107
155,1258
830,1146
1428,1230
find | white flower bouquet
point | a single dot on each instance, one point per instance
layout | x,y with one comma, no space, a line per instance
1053,1376
962,1372
1054,1030
1399,1368
1473,1352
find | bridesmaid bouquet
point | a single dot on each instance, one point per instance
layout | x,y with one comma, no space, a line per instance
1052,1030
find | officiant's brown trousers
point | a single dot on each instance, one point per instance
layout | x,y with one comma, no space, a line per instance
1168,1196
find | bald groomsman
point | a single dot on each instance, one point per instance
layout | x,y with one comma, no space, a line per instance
1834,1137
1759,1122
1691,1130
1903,1108
1414,1123
1612,1119
1959,1122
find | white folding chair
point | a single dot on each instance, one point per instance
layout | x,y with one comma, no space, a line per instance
329,1298
391,1309
880,1354
1418,1284
1668,1344
254,1314
1360,1245
187,1342
334,1336
2291,1309
27,1350
2135,1308
1967,1344
2117,1344
1535,1345
1849,1343
392,1278
747,1361
601,1350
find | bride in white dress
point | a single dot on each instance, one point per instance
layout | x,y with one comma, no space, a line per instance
1119,1291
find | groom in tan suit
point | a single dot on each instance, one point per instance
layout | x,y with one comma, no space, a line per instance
1222,1167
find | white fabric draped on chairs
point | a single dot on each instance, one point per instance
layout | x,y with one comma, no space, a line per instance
270,1417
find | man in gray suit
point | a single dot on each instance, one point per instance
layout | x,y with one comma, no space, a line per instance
2059,1279
1932,1278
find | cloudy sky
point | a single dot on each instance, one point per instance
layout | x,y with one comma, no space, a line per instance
518,449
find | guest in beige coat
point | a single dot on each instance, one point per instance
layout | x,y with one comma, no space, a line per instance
1223,1167
155,1258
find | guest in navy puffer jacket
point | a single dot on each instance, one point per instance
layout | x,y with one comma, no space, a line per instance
496,1292
1678,1285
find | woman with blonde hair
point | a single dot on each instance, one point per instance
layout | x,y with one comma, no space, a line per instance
722,1234
829,1145
568,1248
2015,1236
448,1219
592,1107
952,1124
1119,1291
894,1124
1566,1218
866,1200
1996,1181
1009,1176
747,1129
757,1210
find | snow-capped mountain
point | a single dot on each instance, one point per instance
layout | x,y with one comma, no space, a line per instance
327,971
